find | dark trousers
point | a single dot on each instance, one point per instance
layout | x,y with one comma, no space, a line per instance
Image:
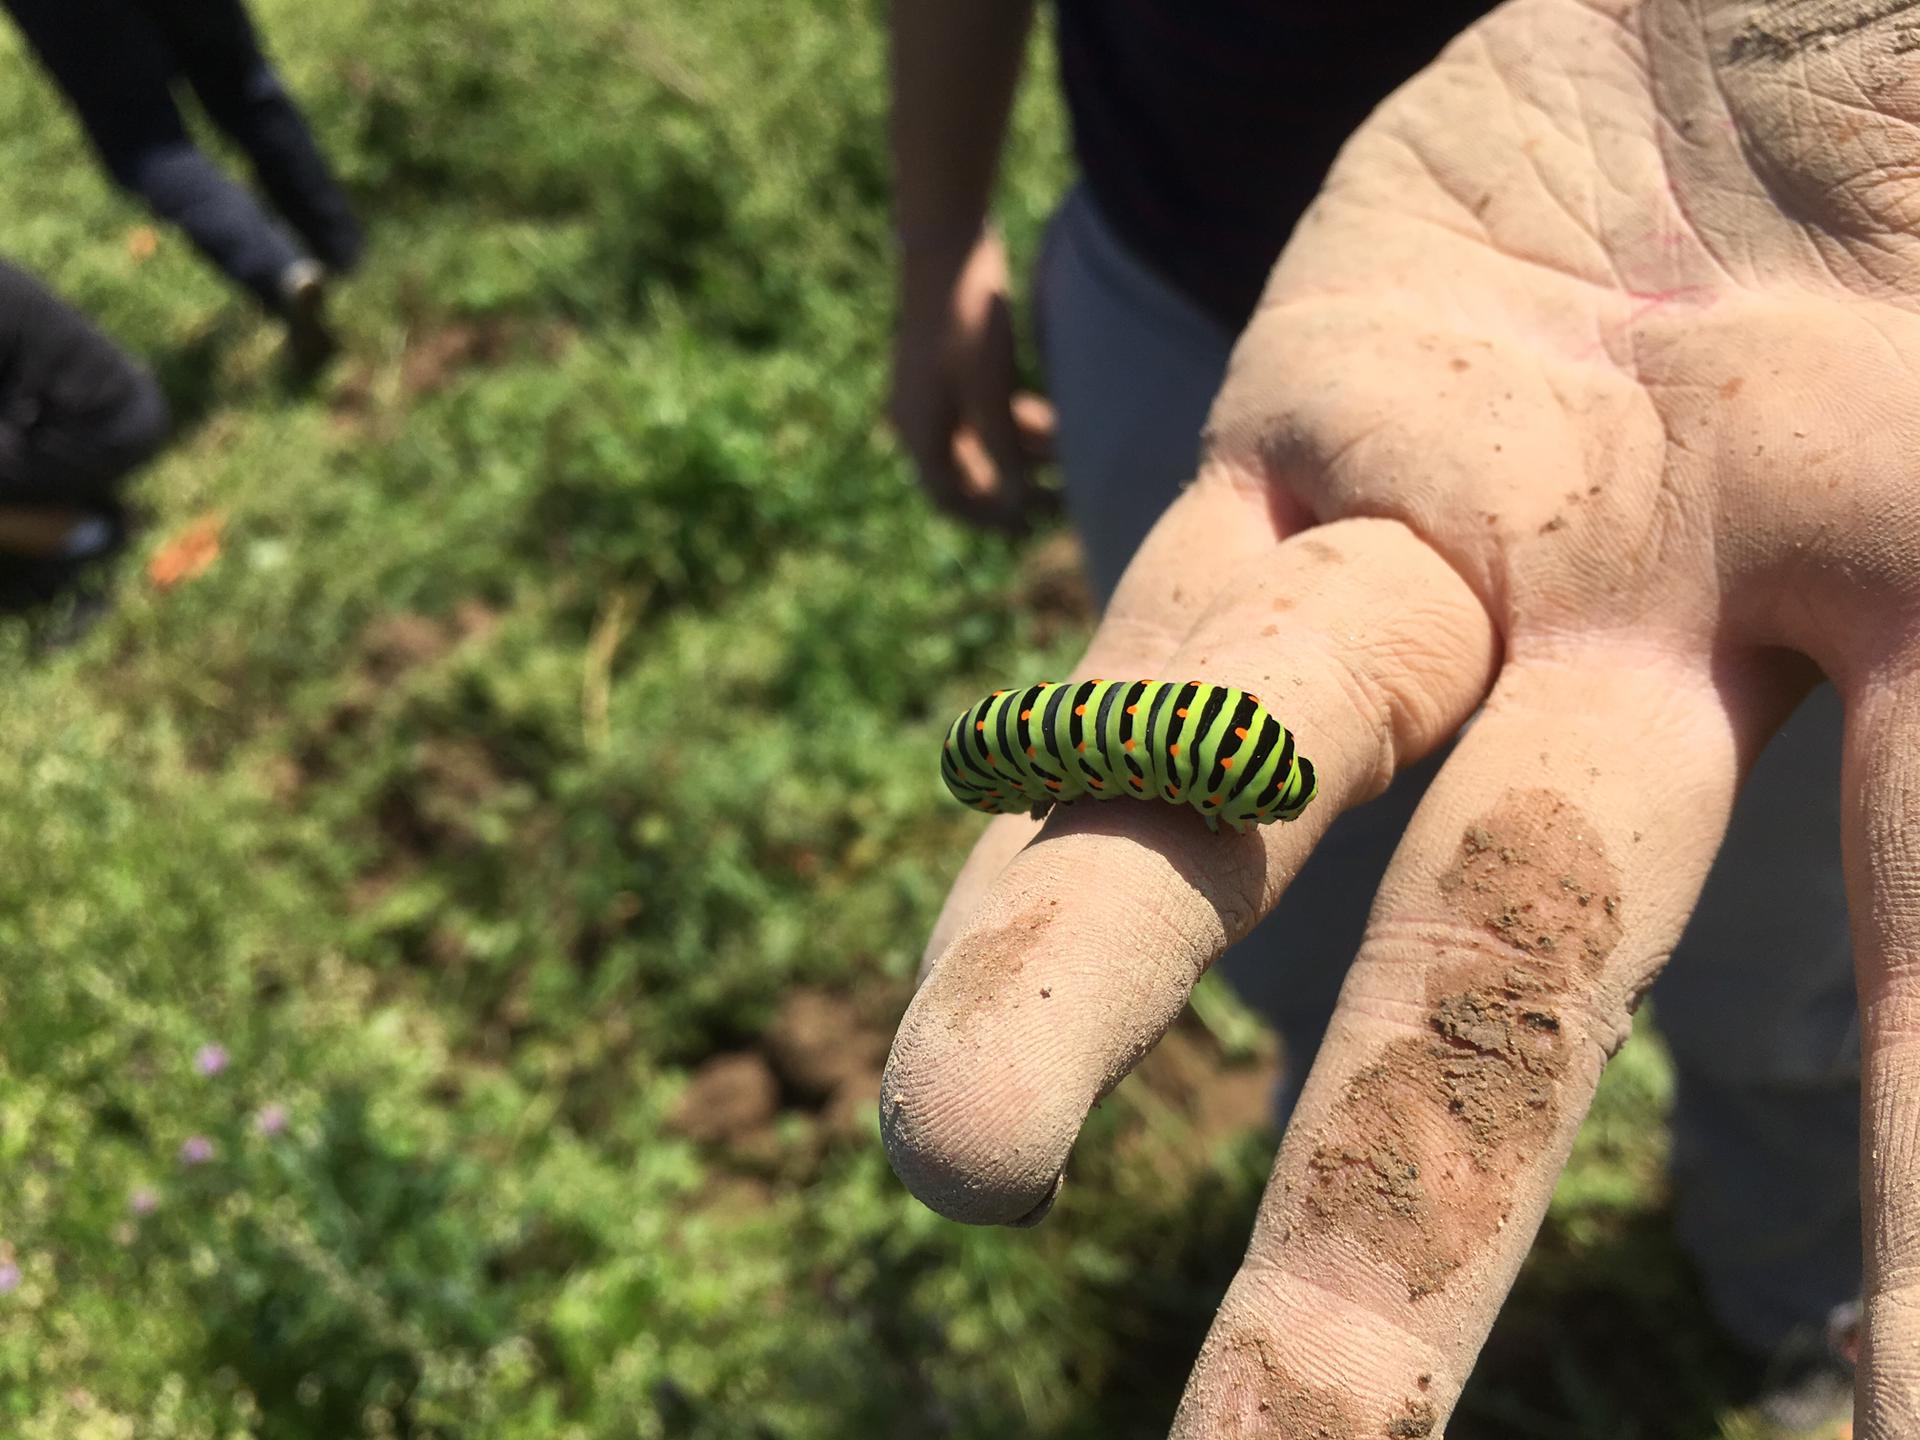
76,411
117,61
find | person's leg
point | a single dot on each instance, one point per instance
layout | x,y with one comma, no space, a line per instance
116,71
1132,367
222,220
1759,1009
219,53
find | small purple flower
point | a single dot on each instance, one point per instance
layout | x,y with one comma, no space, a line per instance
196,1150
210,1060
270,1119
144,1200
9,1277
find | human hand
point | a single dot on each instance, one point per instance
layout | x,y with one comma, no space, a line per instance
973,437
1582,396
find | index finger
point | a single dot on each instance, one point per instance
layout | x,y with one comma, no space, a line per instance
1223,521
1084,949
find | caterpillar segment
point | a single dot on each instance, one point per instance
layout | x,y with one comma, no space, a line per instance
1212,747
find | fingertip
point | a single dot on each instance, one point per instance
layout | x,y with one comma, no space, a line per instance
1000,1055
957,1155
1045,1208
1033,417
980,479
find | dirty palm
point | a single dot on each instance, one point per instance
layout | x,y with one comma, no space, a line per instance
1580,400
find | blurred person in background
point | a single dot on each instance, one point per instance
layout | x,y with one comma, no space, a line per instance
77,415
118,62
1202,132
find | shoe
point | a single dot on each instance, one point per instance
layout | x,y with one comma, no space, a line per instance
1808,1390
303,302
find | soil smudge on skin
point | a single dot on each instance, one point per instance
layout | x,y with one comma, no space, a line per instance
1244,1391
995,959
1467,1106
1783,30
1321,551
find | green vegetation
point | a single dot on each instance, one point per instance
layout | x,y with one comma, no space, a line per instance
475,802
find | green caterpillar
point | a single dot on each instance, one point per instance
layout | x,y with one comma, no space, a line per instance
1213,747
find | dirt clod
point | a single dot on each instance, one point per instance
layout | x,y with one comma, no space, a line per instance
1416,1424
729,1100
819,1042
827,1049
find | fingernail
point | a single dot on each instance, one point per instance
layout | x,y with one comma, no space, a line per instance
1039,1212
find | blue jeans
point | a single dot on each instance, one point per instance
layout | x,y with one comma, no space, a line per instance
117,61
1758,1005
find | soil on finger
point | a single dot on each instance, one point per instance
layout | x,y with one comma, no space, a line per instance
1243,1389
1431,1144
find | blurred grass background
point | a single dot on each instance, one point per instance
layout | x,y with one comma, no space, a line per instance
478,804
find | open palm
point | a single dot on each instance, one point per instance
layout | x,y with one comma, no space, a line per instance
1582,397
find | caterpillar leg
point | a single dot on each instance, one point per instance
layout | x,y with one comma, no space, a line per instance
1041,809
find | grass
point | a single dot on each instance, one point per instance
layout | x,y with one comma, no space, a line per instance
474,802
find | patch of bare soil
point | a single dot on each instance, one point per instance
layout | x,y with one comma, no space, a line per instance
818,1061
389,649
371,398
393,644
433,357
828,1052
731,1099
432,810
1218,1097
